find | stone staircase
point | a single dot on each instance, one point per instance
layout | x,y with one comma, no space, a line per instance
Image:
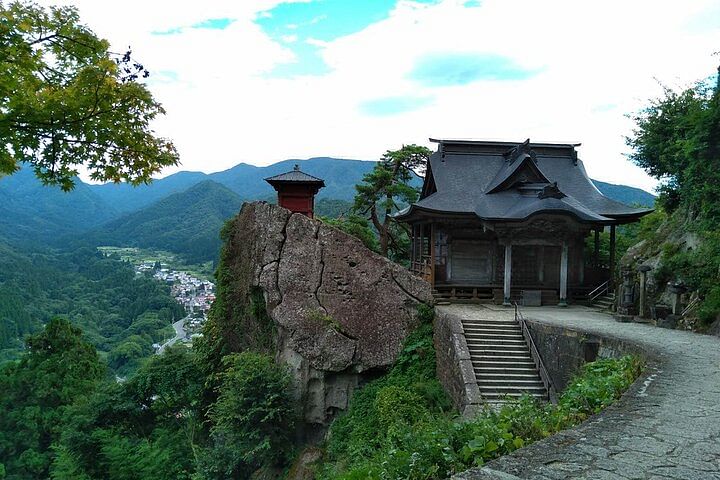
501,359
604,302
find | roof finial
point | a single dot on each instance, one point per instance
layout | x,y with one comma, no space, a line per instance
297,167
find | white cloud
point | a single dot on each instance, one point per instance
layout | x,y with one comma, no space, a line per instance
597,62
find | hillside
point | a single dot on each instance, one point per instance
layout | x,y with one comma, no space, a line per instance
245,180
628,195
102,295
33,213
188,222
182,212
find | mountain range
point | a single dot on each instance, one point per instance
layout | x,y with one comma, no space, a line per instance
182,212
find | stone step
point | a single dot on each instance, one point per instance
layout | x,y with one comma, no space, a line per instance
529,374
496,341
490,326
489,351
514,328
505,370
511,382
495,397
509,332
502,362
540,389
485,321
497,347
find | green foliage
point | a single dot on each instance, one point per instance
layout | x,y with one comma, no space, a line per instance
117,311
59,368
698,268
186,223
319,316
384,190
66,101
330,208
677,140
358,227
389,431
253,417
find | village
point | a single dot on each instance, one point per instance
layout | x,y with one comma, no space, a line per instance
193,293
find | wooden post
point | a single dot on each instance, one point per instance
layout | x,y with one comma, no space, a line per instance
508,274
412,247
611,283
541,264
581,273
596,252
563,274
432,254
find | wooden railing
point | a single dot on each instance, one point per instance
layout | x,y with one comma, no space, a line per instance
535,354
422,268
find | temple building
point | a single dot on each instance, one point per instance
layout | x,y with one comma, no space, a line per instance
297,190
500,221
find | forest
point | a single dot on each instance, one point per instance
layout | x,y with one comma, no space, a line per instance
121,314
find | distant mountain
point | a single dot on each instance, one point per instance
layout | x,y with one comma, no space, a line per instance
127,198
628,195
188,223
173,211
31,212
245,180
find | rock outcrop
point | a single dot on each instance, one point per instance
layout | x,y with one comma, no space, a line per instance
341,311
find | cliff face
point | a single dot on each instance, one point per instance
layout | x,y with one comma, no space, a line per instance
338,310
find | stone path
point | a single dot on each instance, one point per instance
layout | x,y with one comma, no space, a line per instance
667,426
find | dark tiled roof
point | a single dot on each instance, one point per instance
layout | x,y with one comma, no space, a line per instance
480,178
295,176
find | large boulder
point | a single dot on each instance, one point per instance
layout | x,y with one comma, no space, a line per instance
341,311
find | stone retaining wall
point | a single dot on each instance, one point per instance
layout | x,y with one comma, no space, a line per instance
454,367
564,350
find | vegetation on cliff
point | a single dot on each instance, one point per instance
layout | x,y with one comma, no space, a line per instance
399,426
677,140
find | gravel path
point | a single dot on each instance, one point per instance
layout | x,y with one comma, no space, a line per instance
666,426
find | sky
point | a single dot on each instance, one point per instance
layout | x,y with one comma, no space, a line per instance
259,81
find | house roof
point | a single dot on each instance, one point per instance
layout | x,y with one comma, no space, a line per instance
504,181
295,176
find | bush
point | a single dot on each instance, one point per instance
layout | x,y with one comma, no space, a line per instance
390,431
253,419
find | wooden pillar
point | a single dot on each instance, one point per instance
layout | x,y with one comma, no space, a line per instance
541,264
416,244
563,274
596,252
508,275
432,254
611,283
581,273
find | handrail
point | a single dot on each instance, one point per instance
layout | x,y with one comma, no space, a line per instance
690,306
599,290
535,354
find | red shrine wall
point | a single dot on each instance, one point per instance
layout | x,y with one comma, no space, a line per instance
297,199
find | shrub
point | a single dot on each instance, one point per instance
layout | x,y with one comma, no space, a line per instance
390,433
253,418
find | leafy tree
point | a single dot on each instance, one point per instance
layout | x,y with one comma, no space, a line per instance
66,100
253,418
677,140
385,189
356,226
58,369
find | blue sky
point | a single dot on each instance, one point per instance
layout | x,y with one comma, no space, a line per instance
259,81
294,24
